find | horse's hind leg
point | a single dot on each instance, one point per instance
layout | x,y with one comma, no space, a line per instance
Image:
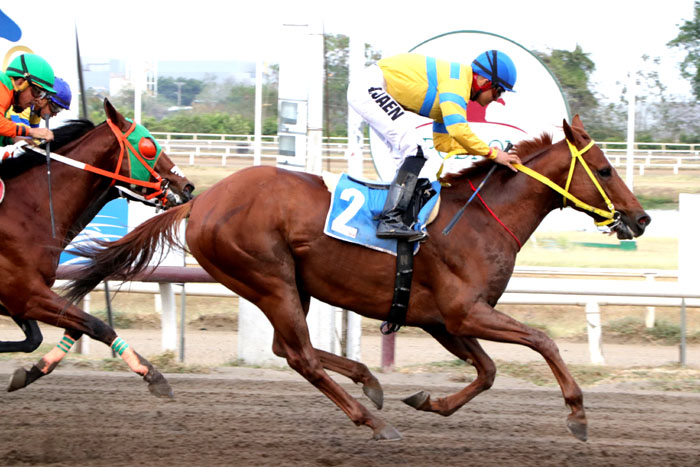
32,334
283,308
465,348
22,377
356,371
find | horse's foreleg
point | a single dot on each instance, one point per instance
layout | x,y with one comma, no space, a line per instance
49,308
465,348
484,322
356,371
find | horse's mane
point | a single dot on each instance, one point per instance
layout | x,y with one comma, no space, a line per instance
526,150
67,133
71,131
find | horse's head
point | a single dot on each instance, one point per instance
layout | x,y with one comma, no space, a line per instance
147,162
627,218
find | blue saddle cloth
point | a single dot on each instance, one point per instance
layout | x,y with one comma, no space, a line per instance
354,206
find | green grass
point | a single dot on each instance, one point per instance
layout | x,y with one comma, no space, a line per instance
565,249
631,329
659,189
664,378
650,201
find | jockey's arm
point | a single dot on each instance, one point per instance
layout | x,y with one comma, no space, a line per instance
41,133
454,131
12,129
444,142
453,107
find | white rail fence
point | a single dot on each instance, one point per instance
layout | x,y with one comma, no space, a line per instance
232,150
588,293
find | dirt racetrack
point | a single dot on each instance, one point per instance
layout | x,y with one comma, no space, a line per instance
262,417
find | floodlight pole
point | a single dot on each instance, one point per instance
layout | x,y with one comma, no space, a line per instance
631,113
257,153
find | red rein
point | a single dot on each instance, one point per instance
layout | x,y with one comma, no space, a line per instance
478,195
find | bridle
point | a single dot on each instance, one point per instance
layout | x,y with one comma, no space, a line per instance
159,186
612,217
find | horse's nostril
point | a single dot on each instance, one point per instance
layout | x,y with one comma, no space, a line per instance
643,220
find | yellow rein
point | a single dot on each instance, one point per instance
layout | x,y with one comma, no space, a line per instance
576,155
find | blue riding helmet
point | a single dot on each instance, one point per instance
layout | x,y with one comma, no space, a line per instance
497,67
63,95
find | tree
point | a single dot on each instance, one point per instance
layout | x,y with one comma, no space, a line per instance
179,91
336,48
573,70
688,39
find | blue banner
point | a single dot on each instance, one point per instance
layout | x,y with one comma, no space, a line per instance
110,224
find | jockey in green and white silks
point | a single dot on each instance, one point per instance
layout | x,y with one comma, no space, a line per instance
27,82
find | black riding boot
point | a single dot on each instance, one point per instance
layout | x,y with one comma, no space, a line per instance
391,220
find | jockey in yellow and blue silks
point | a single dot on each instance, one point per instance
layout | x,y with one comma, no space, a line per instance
32,116
436,89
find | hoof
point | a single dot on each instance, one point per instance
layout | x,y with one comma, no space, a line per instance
578,429
388,433
158,385
375,394
418,400
18,380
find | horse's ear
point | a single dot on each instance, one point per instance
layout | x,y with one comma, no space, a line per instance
569,132
117,118
576,122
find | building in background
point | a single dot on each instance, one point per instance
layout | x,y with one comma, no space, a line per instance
113,76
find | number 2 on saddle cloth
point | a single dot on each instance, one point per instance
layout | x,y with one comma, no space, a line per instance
352,217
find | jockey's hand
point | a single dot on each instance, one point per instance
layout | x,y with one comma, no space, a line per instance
41,133
506,158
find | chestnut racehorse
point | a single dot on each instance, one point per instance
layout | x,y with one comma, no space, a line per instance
91,162
260,233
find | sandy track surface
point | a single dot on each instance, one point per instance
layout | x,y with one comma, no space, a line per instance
262,417
265,417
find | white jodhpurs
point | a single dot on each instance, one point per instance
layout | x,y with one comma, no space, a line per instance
368,97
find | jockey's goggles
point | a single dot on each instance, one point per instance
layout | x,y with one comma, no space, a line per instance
39,93
55,108
498,90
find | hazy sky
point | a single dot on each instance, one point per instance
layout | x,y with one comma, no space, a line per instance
614,32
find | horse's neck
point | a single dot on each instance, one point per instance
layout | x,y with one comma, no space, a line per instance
78,195
538,199
519,201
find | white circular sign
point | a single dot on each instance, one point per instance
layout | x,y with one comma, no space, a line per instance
537,106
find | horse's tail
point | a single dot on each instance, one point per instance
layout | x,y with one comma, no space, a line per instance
124,258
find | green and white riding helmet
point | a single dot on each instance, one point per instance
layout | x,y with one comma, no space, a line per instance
34,69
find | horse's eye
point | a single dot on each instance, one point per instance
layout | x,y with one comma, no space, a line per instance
605,172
